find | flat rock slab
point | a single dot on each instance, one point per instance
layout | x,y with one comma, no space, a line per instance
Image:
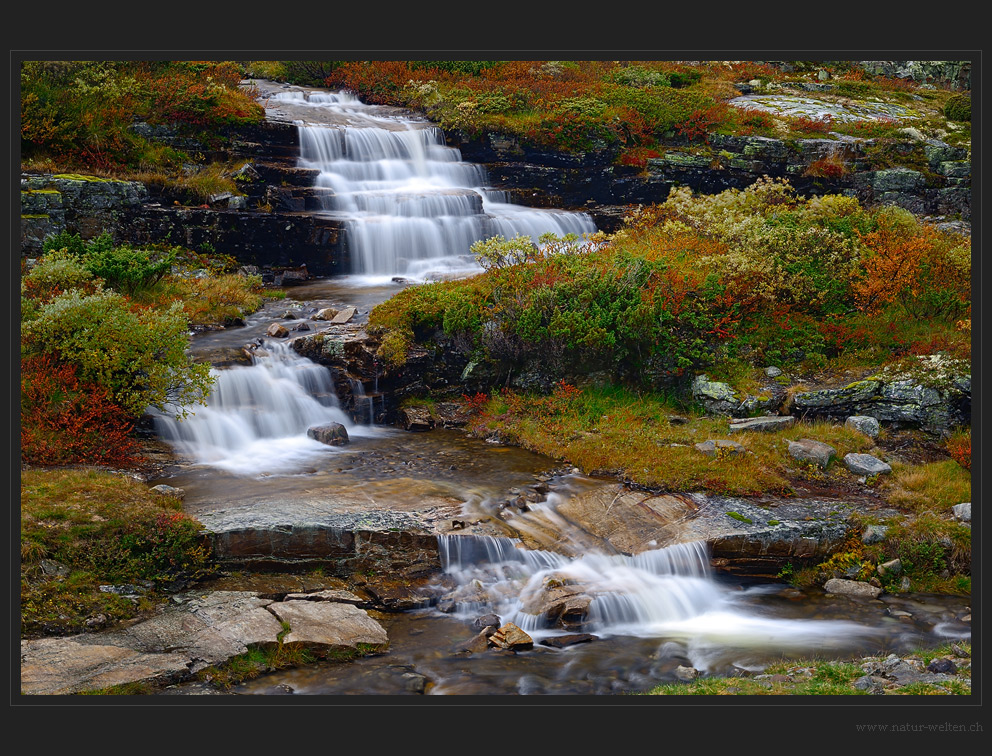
817,109
763,424
343,316
342,597
329,625
60,666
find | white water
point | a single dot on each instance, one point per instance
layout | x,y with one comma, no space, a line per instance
412,207
666,593
255,419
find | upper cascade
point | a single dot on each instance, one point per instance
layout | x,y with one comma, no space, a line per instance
412,207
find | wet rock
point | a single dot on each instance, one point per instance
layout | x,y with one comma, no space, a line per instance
277,331
332,434
866,464
962,512
301,327
713,448
856,588
874,534
863,424
343,316
397,598
563,641
486,621
558,603
511,637
343,597
810,450
328,625
762,424
686,673
169,491
327,313
416,419
479,643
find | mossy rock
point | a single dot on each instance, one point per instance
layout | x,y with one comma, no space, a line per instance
958,108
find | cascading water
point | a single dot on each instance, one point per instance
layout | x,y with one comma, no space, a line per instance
256,417
664,593
412,207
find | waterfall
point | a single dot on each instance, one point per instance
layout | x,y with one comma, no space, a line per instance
666,592
411,206
256,417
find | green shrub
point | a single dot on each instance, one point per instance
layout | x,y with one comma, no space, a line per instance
958,108
139,355
127,269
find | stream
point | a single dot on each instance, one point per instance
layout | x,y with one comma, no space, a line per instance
412,209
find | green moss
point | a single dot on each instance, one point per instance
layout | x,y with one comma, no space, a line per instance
739,516
34,217
84,177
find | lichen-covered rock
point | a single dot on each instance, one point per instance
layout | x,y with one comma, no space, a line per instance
717,397
712,448
874,534
898,401
863,424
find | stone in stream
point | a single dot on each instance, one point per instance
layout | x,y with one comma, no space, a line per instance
486,621
686,673
277,331
327,313
865,464
477,643
855,588
714,448
562,641
511,637
343,316
332,434
810,450
764,424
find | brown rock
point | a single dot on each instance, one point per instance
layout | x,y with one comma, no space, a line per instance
277,331
511,637
329,625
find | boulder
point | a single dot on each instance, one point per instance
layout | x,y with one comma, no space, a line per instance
962,512
277,331
717,397
561,605
773,372
810,450
416,419
332,434
894,566
486,621
863,424
866,464
763,424
874,534
854,588
327,313
715,447
686,673
511,637
169,491
343,316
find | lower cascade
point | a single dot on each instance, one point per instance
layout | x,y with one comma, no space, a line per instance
256,417
662,593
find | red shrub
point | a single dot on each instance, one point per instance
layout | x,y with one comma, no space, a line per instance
959,447
66,421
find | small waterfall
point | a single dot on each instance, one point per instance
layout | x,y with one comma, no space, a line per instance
256,417
412,207
666,593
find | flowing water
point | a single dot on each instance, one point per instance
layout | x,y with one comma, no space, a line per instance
412,209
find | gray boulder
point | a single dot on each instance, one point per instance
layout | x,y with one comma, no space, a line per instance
874,534
854,588
962,512
717,397
866,464
863,424
810,450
